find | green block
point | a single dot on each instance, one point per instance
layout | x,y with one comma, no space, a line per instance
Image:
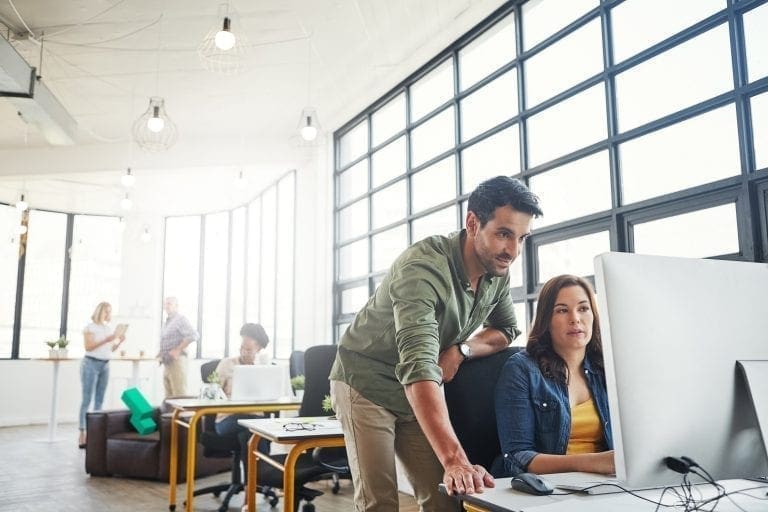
141,411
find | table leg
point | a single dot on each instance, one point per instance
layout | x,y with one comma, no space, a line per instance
54,403
253,446
135,374
174,463
191,458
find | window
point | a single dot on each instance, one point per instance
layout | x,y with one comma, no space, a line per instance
10,221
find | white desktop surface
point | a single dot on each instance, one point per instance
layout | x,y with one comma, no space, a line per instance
274,428
503,498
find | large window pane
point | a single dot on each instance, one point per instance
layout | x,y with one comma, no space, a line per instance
268,263
433,137
388,120
542,18
571,124
441,222
756,41
496,155
574,190
182,263
567,62
432,90
520,315
388,162
489,106
353,299
96,255
699,234
487,53
687,74
10,220
516,273
253,262
43,281
659,19
353,259
387,246
760,129
434,185
285,267
389,205
572,256
697,151
237,280
353,143
215,258
354,181
353,220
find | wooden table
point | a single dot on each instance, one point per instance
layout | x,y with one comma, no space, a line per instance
326,433
196,409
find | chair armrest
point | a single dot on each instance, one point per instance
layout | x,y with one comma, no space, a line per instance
332,459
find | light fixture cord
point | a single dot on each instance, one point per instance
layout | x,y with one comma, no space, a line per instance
309,73
159,43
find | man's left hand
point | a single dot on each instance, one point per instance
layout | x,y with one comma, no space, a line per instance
449,361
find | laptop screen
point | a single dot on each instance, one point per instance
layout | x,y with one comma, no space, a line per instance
259,382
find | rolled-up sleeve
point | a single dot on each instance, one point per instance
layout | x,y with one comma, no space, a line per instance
503,317
415,292
515,417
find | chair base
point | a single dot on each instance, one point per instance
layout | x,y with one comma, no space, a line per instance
229,489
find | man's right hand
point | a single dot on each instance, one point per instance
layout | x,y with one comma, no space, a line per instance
449,361
466,479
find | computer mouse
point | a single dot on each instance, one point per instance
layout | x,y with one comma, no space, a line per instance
532,483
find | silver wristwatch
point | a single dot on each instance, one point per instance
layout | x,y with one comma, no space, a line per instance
465,350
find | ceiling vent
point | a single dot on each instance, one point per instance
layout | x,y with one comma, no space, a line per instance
35,102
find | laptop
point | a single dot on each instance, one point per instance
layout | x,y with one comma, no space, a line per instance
590,483
259,382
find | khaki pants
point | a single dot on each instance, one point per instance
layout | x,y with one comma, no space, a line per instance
374,436
175,377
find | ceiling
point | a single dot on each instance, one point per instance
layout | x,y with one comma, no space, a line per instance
103,59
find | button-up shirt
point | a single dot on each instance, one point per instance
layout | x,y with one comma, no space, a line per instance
175,330
424,305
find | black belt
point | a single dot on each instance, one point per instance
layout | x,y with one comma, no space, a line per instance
97,359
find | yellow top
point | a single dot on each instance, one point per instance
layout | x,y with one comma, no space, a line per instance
586,431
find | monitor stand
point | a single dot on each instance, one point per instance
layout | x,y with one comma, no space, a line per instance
756,377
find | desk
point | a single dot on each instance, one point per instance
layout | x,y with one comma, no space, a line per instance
328,433
503,498
52,420
197,409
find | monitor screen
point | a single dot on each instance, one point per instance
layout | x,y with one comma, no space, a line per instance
673,330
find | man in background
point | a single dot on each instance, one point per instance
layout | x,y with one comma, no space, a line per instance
176,335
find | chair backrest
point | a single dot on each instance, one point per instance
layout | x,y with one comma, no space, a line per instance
208,368
470,400
296,363
318,361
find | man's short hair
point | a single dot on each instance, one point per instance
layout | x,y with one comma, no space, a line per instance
256,332
502,191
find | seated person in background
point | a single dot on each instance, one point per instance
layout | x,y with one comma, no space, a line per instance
254,341
551,402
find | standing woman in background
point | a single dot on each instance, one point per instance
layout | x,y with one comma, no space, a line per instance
94,369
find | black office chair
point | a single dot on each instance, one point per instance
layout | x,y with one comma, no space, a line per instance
215,445
471,407
296,363
323,462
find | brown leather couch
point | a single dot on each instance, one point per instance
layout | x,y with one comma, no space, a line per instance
114,448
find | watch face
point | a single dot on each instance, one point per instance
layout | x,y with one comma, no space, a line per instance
465,350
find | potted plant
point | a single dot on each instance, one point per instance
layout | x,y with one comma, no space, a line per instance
297,383
62,344
212,390
52,352
327,405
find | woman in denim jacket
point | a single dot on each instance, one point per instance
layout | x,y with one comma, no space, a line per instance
551,403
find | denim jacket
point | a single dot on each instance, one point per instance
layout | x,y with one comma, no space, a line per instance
533,414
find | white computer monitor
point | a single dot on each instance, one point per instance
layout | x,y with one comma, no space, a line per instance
673,330
259,382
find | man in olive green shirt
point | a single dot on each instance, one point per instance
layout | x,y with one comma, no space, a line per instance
412,335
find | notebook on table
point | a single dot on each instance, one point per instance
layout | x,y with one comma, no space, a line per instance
258,382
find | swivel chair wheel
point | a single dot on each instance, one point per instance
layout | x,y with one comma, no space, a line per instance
336,485
273,502
308,507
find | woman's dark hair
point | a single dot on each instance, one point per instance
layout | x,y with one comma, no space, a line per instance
256,332
540,340
502,191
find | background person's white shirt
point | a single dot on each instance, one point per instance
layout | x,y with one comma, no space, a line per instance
100,333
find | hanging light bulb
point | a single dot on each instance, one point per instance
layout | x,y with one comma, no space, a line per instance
22,205
146,236
308,131
128,180
225,39
156,123
126,203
